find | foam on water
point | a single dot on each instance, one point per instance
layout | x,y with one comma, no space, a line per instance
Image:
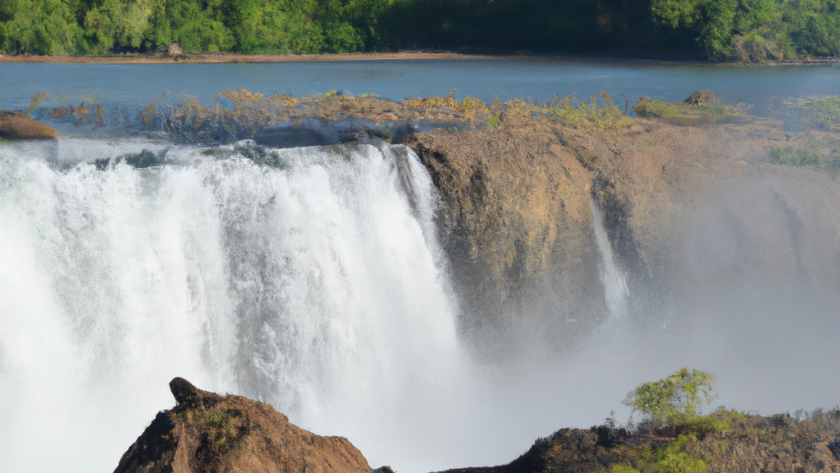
313,285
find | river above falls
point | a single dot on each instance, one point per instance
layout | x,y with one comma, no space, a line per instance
129,86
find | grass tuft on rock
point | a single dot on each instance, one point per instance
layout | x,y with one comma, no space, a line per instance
684,114
822,112
805,157
242,114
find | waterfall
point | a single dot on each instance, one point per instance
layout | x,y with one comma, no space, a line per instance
616,293
314,283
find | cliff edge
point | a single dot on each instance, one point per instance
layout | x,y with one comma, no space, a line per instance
206,432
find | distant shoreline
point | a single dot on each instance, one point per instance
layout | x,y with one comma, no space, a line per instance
236,58
225,58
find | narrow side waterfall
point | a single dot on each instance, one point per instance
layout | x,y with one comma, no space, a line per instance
616,293
314,284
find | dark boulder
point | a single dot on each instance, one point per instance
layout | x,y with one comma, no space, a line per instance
704,98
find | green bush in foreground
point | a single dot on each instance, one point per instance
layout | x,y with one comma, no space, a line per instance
677,398
671,459
672,406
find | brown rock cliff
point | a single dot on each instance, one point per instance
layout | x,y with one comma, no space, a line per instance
206,432
516,225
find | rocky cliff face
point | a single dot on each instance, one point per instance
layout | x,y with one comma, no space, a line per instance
701,210
690,210
206,432
516,225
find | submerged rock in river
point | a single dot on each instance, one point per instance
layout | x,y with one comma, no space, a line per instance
209,432
18,126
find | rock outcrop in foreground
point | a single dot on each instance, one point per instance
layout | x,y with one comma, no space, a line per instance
206,432
18,126
749,444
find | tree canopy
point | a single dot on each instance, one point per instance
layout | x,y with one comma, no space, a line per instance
675,398
745,30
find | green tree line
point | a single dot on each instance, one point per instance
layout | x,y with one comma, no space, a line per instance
746,30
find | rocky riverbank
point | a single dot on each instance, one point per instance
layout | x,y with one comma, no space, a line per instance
232,58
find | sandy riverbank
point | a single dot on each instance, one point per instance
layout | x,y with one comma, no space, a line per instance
219,58
233,58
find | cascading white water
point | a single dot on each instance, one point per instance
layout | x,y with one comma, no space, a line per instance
313,284
616,293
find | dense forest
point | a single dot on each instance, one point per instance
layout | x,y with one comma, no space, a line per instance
742,30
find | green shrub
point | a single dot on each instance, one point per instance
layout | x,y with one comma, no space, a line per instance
671,459
805,157
224,428
688,115
823,112
677,398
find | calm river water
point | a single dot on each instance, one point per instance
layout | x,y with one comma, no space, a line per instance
130,85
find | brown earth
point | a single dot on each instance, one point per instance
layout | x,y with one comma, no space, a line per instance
18,126
230,58
650,57
206,432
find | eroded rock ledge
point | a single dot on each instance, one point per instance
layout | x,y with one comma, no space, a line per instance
206,432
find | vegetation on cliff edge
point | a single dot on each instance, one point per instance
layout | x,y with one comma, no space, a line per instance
688,115
234,115
674,437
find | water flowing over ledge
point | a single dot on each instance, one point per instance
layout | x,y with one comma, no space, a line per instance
314,284
612,276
